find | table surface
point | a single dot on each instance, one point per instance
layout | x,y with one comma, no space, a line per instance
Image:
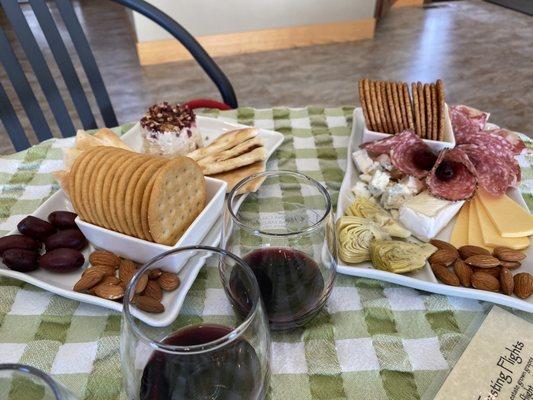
373,340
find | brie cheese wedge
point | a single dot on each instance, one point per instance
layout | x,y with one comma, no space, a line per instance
425,215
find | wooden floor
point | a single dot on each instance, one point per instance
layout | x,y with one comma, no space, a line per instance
482,51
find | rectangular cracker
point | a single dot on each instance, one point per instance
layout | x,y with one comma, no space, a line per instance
392,110
383,99
434,110
375,108
429,115
368,102
422,109
442,110
408,106
258,154
235,151
225,141
403,106
363,103
235,176
397,110
381,108
416,109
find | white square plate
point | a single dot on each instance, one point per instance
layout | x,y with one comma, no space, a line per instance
422,279
205,230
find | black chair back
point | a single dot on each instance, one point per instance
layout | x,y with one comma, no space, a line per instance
37,61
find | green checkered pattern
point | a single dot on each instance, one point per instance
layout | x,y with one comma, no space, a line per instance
374,340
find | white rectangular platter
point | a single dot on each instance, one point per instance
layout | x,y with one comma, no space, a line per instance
423,279
207,234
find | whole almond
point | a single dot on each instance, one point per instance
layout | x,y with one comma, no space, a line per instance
506,281
523,285
89,279
126,270
109,292
107,280
495,272
510,264
110,280
463,272
445,275
106,270
483,281
507,254
442,245
482,261
443,256
149,304
102,257
168,281
154,273
141,284
153,290
469,250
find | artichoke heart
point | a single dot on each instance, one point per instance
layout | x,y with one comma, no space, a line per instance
399,257
368,208
355,235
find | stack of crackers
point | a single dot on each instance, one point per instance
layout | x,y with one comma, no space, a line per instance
390,108
148,197
232,157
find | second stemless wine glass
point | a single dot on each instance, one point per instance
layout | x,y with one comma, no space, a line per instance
285,232
208,350
23,382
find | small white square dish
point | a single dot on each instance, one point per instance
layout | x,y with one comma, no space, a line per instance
435,145
140,250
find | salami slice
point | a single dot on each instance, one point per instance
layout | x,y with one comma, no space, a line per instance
452,177
494,174
384,146
466,121
517,144
413,157
496,146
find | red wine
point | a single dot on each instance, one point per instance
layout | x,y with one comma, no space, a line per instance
232,372
290,282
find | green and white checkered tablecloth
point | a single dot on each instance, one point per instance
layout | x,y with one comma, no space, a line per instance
373,341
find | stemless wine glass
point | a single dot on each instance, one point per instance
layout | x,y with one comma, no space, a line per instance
206,349
23,382
285,232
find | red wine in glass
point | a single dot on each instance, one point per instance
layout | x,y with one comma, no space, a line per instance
290,282
232,372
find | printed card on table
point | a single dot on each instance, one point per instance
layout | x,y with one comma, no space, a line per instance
497,364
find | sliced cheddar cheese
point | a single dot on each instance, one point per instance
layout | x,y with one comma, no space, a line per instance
491,236
475,237
459,236
508,217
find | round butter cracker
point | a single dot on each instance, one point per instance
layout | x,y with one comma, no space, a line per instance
118,206
178,196
106,171
137,196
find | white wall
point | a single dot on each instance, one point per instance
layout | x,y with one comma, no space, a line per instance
210,17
